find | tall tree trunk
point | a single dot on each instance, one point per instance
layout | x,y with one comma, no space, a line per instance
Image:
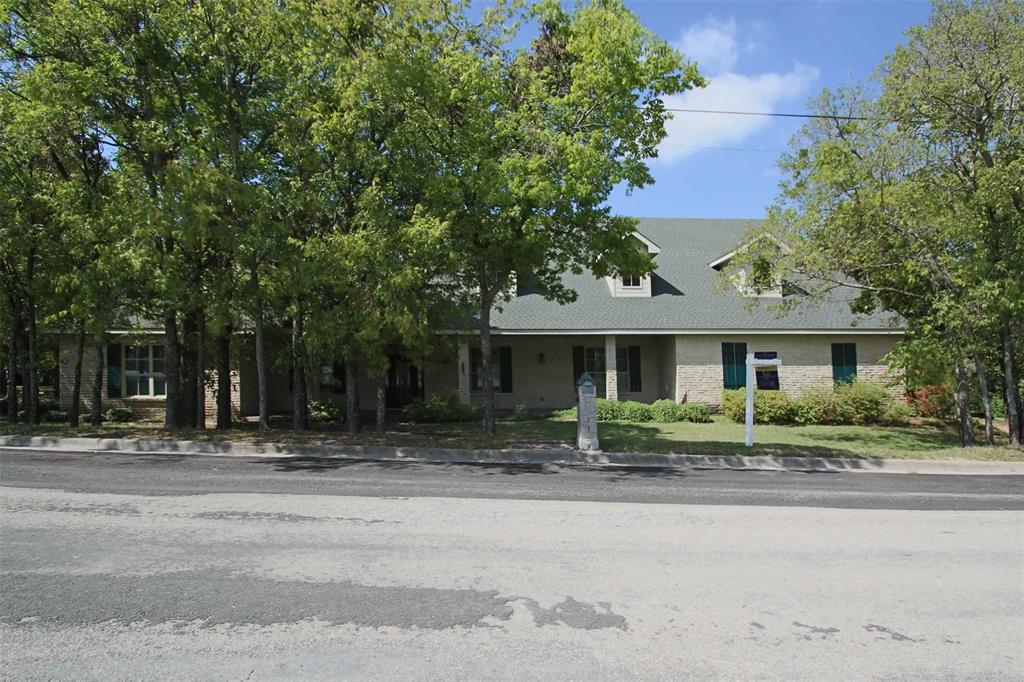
96,409
32,371
224,379
74,413
172,373
986,399
12,372
963,406
382,404
188,371
261,357
300,394
485,364
351,395
200,400
1013,404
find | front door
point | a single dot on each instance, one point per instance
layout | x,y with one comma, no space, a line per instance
405,382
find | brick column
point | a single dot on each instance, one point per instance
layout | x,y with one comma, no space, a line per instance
611,370
462,367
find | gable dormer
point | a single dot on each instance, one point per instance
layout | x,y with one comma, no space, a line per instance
634,286
759,270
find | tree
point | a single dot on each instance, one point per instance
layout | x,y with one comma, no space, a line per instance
907,190
530,142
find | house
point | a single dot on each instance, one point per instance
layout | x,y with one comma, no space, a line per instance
680,333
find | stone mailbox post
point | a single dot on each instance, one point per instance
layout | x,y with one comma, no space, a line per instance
586,415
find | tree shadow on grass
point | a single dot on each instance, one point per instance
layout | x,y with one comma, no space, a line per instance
320,464
637,438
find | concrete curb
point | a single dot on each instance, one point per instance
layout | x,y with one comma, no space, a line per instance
538,456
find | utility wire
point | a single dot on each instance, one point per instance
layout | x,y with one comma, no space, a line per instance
769,113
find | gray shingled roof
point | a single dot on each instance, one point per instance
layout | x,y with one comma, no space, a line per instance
686,294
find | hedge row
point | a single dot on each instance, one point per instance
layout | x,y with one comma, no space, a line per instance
858,402
663,411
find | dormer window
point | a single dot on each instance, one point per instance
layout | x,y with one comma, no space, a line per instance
634,286
632,281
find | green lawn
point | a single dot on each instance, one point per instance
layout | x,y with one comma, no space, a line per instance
721,437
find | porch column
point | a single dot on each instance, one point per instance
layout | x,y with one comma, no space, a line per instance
462,367
611,385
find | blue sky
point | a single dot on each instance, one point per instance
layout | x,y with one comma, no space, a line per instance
760,56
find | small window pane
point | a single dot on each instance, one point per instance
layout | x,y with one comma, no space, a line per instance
631,281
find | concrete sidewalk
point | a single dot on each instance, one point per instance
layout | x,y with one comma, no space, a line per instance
552,456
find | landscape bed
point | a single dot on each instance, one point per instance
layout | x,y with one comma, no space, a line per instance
720,437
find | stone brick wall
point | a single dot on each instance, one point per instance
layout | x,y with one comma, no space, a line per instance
143,407
806,361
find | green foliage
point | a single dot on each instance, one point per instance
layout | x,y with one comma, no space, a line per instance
697,413
609,410
119,414
54,415
568,414
859,403
520,413
770,407
666,411
439,408
321,411
633,411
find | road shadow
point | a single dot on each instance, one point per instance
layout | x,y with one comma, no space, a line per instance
311,464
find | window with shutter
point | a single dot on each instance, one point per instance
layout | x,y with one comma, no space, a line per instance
501,369
734,368
844,362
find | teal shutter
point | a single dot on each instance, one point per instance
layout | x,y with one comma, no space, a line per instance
734,365
505,368
844,362
114,370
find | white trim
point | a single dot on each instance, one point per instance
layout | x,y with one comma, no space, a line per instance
652,248
684,332
725,259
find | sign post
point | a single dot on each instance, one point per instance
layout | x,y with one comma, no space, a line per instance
753,362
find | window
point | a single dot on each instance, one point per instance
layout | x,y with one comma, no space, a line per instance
767,377
844,362
589,361
632,281
734,365
135,371
332,379
501,369
627,365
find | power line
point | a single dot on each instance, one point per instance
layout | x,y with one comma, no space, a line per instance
770,113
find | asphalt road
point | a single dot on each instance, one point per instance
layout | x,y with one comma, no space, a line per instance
170,567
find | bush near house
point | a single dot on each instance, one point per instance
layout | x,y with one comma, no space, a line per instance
662,411
119,414
440,408
321,411
859,403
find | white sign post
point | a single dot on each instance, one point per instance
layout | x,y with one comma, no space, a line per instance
752,364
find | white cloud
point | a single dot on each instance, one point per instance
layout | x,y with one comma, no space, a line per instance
712,44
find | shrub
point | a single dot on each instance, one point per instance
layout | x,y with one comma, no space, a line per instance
896,414
862,402
321,411
119,414
438,408
54,416
818,406
633,411
770,407
698,413
609,410
931,401
665,411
